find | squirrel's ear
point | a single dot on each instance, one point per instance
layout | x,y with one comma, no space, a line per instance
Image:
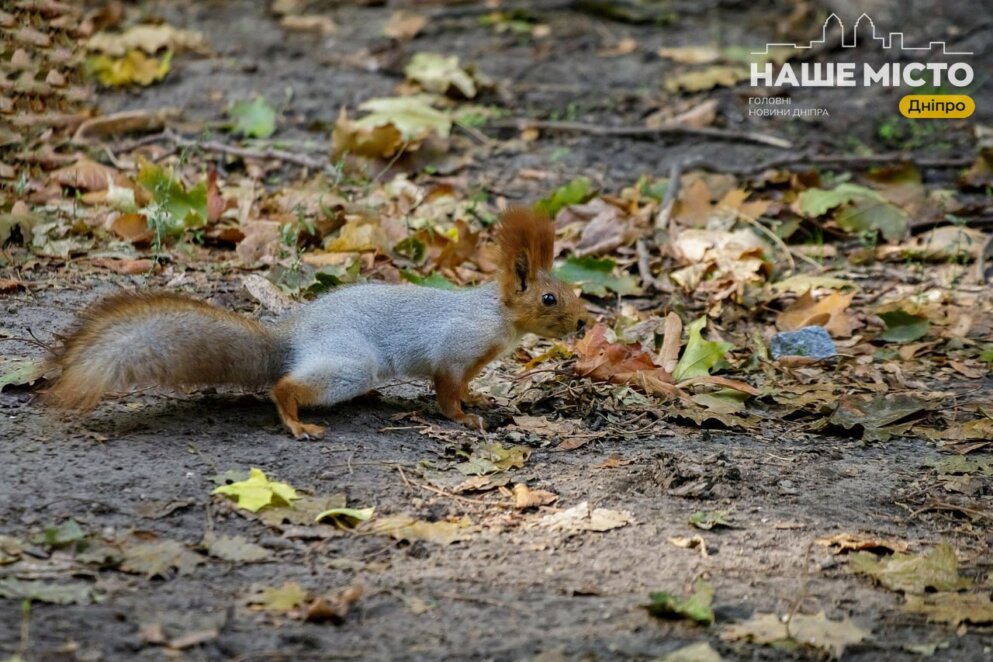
526,240
522,271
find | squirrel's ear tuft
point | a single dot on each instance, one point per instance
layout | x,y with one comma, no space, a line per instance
527,244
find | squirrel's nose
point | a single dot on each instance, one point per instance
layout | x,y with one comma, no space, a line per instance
580,324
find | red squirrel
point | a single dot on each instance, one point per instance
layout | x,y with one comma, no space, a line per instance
339,346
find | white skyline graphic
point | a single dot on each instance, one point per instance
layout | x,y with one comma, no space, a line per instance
886,41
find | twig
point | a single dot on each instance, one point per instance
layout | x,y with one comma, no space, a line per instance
669,199
243,152
845,160
645,270
665,130
981,260
776,239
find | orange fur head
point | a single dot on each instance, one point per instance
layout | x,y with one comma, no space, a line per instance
539,303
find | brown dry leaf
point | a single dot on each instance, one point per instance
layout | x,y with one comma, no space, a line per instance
261,243
691,542
148,38
625,46
85,175
842,543
913,573
731,259
133,228
285,598
830,312
10,285
582,518
605,227
359,235
333,609
691,54
525,497
404,25
600,359
944,244
701,80
323,25
695,208
380,141
483,483
815,630
673,335
404,527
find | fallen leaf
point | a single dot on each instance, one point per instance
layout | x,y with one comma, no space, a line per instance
358,236
902,326
333,609
323,25
148,38
85,175
596,276
125,122
709,519
234,548
254,119
953,608
672,340
600,359
20,372
575,192
695,607
258,491
605,227
134,68
346,518
691,542
437,73
404,527
69,593
829,312
159,558
404,25
700,80
816,631
177,207
701,651
283,598
913,573
880,417
842,543
494,458
133,228
525,497
582,518
389,124
700,356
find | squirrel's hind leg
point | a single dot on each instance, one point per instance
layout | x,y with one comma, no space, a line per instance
289,395
327,381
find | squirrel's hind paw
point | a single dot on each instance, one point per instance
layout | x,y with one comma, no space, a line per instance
307,430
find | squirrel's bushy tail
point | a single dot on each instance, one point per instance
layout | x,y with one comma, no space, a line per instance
136,340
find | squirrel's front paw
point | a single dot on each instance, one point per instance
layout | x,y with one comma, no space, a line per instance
472,421
476,400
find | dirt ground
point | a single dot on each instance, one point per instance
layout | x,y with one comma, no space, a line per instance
512,591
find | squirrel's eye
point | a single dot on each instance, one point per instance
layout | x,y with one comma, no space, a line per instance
549,299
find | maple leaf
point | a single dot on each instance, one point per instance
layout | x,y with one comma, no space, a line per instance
258,491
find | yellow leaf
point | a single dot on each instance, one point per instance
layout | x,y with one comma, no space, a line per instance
133,68
258,492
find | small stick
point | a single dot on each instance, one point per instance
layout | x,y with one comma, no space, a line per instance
664,130
669,199
644,270
981,260
846,160
776,239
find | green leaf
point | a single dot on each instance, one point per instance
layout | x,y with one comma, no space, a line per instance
577,191
695,607
901,326
64,534
866,215
817,202
596,276
255,119
183,208
700,355
346,518
435,280
280,598
258,492
913,573
708,519
19,372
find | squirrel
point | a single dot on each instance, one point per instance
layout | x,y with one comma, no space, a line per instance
337,347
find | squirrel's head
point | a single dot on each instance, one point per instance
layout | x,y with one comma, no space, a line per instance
539,303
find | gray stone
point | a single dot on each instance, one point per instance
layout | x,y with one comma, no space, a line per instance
810,341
